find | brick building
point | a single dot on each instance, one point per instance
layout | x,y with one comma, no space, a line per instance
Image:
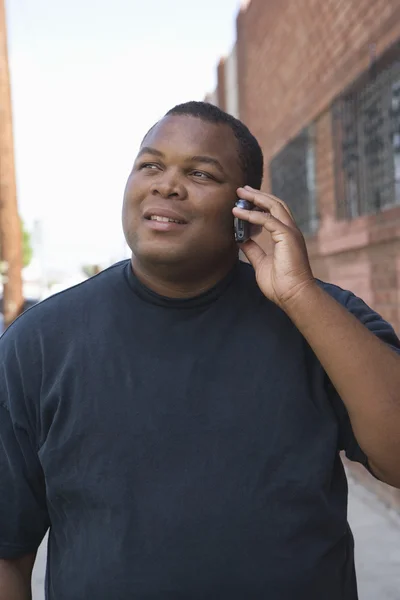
10,225
318,83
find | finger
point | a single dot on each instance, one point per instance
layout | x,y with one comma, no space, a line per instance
255,230
253,252
268,202
270,198
263,219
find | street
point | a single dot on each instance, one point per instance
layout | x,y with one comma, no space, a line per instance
377,538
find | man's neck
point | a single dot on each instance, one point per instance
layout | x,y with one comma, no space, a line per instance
175,283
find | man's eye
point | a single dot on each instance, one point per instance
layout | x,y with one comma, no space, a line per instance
201,175
150,166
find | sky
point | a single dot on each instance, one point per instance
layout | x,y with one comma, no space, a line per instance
88,79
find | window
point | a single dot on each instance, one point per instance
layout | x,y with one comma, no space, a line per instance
366,130
293,179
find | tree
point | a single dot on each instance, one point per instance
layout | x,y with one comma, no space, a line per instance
27,250
90,270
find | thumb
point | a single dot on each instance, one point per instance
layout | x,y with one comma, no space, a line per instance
253,252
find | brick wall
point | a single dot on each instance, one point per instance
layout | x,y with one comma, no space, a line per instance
212,97
231,84
10,226
294,59
221,86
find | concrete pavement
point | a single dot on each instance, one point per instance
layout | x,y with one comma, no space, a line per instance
377,537
377,545
39,571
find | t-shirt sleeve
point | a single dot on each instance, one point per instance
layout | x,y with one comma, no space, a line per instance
23,513
384,331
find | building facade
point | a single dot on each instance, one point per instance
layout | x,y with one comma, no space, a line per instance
10,225
318,83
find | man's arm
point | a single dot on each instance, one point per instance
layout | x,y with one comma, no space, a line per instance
15,578
364,371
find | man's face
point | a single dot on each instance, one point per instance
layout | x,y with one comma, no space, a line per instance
179,197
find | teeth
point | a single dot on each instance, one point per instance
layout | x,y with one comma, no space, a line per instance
163,219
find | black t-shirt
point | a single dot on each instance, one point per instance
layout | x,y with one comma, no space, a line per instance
176,448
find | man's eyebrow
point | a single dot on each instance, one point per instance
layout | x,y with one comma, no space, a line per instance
208,160
149,150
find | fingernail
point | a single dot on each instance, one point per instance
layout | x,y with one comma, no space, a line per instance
247,187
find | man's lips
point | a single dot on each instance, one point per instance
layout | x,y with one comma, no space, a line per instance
164,215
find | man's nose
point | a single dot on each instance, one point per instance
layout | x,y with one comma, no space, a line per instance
169,185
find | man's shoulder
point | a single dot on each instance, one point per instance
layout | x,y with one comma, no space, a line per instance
341,295
348,299
363,312
72,305
91,289
345,297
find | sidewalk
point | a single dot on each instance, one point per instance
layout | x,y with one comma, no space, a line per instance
377,537
377,544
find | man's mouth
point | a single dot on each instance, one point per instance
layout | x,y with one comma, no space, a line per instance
165,219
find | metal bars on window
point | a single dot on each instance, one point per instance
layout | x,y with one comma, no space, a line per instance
366,135
293,179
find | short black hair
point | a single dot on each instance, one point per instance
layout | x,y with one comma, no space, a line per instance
250,153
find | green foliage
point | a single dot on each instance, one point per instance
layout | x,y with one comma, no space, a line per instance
90,270
27,250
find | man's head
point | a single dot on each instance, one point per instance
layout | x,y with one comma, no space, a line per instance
188,169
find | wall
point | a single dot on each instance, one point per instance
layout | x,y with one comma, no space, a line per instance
293,60
212,97
226,93
10,226
221,88
231,84
295,57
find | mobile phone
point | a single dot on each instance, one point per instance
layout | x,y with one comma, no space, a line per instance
242,228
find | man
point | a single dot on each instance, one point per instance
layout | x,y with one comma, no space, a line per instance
177,420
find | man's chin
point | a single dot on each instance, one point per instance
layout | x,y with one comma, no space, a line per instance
161,254
168,251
